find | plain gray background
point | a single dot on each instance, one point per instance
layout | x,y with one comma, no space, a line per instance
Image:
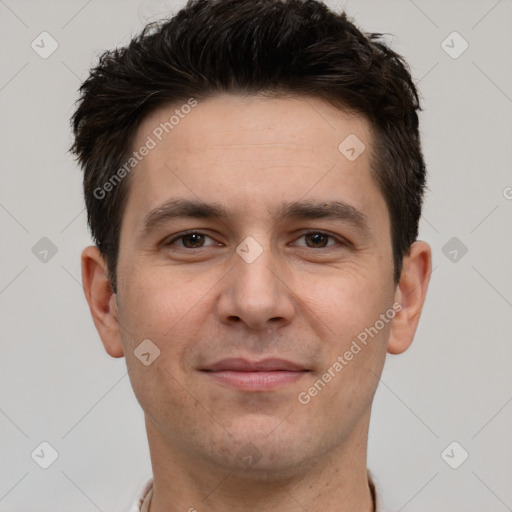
454,384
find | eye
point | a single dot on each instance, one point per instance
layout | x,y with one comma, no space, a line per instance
318,240
191,240
196,240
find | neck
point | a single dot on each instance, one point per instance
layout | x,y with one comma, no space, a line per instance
336,481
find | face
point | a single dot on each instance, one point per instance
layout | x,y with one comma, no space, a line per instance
256,256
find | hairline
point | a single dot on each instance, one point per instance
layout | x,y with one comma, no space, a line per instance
280,92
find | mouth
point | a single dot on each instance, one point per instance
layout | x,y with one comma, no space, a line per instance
245,375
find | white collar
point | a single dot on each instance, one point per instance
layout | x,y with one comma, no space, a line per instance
145,494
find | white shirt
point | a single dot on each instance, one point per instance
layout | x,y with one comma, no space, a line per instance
145,494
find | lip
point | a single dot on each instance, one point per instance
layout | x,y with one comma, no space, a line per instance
263,375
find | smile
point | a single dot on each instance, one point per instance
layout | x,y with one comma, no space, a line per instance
245,375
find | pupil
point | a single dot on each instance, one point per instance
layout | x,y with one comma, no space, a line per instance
317,238
194,238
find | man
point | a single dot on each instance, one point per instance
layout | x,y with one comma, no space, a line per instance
254,182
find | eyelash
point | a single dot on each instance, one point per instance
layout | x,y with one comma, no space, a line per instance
340,242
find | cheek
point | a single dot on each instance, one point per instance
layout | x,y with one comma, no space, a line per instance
354,342
347,300
160,305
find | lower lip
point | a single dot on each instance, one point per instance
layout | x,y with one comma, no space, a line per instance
255,381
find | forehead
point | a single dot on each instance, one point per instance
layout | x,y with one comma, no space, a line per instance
300,126
249,151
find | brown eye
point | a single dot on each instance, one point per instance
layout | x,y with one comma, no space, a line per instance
192,240
317,239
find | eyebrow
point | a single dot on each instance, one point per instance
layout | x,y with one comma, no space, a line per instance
295,210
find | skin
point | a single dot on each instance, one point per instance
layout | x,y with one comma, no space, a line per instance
299,300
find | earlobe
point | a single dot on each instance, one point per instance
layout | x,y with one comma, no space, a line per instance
410,294
102,301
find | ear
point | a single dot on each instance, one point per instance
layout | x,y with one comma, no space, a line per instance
410,293
102,300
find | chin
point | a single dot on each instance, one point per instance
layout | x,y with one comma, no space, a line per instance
257,445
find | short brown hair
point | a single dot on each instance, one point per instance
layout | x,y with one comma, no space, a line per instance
276,47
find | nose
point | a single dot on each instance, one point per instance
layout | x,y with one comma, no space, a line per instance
256,293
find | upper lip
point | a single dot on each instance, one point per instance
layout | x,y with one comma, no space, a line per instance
244,365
